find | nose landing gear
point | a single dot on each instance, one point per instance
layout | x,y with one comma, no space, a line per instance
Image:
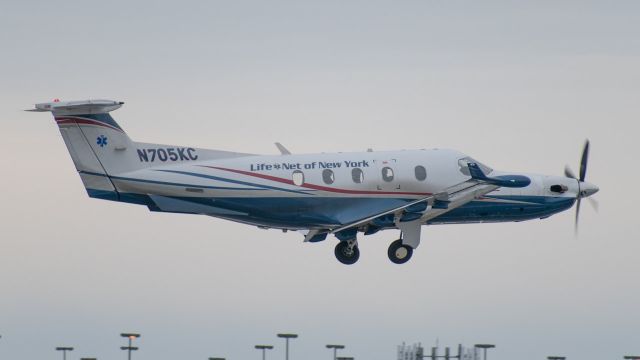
399,253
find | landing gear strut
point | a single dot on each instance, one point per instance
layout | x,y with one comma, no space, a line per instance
399,253
347,252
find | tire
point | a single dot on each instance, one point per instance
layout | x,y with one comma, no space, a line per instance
399,253
344,255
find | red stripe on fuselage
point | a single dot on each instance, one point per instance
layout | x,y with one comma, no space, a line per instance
316,187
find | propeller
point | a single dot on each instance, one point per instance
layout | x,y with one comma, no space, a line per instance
585,189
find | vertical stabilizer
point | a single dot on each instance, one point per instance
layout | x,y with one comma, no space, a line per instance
102,152
97,144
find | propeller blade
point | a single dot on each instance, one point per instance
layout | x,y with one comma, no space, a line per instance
569,173
577,215
594,203
584,161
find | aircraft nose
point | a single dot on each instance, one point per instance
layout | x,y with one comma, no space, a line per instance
588,189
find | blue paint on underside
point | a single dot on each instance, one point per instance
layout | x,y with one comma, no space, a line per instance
301,212
130,198
305,212
522,208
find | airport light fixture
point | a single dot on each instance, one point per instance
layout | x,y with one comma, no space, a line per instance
286,337
64,350
632,357
335,350
556,358
264,349
130,348
217,359
344,358
88,359
485,347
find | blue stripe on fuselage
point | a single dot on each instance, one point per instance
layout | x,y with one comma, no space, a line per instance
167,183
232,181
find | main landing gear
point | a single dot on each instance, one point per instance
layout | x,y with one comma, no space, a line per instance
399,253
347,252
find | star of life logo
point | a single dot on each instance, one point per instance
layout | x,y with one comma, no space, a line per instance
101,141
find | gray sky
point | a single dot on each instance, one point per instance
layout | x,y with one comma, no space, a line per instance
518,85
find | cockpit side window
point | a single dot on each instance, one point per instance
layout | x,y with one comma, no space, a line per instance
464,162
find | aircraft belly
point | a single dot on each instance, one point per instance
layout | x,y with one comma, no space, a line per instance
307,212
505,209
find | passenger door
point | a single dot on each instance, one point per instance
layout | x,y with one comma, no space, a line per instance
386,175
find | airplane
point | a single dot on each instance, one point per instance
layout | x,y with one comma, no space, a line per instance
341,194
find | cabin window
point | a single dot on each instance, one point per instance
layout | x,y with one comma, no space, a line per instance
298,177
387,174
421,173
357,175
328,177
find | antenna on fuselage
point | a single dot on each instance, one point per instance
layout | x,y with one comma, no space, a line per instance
283,150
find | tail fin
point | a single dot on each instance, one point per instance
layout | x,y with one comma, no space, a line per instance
102,152
97,144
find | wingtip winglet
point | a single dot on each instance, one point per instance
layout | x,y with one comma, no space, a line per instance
476,172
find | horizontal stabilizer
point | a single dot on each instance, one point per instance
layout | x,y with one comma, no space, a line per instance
81,107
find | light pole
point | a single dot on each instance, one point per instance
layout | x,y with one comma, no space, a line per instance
131,337
287,337
335,349
264,349
485,347
64,350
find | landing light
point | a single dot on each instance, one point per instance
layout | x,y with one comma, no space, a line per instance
559,188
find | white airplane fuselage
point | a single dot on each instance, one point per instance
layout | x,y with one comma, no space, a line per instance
260,190
326,193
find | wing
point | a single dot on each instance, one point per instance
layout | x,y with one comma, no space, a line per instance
436,204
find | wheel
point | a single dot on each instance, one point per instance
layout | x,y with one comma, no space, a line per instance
346,253
399,253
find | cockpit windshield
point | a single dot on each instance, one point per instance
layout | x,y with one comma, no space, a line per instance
462,163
